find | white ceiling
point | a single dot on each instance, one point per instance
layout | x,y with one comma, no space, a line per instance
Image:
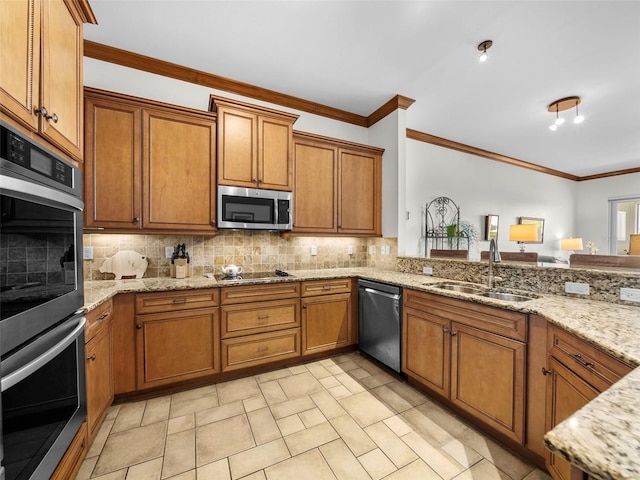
356,55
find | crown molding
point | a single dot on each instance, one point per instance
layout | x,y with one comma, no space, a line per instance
461,147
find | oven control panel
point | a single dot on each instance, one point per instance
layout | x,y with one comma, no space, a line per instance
19,150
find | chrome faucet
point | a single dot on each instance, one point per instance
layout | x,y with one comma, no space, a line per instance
494,256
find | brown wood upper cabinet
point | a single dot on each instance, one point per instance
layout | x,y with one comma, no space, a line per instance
254,145
337,186
41,78
148,165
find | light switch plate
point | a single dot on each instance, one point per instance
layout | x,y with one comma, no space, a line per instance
578,288
372,250
427,270
87,253
168,252
349,250
314,250
630,294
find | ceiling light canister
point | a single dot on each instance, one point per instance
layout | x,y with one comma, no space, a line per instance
483,47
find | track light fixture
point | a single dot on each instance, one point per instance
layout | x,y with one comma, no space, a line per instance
483,47
562,105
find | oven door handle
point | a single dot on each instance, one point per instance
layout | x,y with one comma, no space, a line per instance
41,359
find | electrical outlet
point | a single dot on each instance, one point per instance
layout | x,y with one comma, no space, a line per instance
427,270
349,250
87,253
168,252
575,287
314,250
372,249
630,294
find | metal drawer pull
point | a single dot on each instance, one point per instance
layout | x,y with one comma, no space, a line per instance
263,317
326,287
546,372
263,349
103,316
92,357
578,358
179,300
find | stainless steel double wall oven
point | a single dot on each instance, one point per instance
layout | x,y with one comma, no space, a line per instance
41,328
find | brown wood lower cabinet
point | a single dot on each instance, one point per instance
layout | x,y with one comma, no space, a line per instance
327,315
177,346
260,324
471,355
576,374
99,366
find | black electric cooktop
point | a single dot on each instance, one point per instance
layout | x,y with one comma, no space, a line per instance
251,276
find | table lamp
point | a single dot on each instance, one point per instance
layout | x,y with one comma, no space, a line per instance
523,232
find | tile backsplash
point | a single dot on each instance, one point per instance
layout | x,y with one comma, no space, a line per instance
255,251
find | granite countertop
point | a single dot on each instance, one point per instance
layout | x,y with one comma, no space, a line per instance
603,438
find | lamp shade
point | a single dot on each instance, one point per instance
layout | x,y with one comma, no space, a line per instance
571,244
523,232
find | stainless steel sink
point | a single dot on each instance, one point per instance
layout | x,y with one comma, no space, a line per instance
509,297
460,288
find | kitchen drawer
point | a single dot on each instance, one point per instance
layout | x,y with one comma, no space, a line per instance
97,319
161,302
324,287
258,293
244,319
495,320
252,350
593,365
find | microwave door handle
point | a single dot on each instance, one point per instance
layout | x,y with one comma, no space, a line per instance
34,364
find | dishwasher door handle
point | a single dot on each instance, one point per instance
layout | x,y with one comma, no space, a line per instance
384,294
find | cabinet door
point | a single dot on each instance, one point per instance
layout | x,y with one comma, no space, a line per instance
487,378
177,346
62,57
274,154
315,186
99,378
426,349
178,179
359,193
237,148
20,40
112,164
326,323
566,394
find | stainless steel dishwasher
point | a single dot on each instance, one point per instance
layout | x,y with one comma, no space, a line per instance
379,322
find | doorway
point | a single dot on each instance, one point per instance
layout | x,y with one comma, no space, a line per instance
624,221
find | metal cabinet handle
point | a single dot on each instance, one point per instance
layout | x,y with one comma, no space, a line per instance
263,349
44,112
304,306
326,287
103,316
179,300
92,357
263,317
139,326
578,358
445,330
135,220
453,334
546,372
254,180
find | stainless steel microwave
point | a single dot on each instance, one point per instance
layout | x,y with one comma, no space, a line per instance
254,209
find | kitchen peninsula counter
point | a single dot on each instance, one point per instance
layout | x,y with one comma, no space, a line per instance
603,438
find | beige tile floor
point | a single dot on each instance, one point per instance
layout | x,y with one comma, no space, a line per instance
339,418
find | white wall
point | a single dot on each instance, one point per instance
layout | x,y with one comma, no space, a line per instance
389,133
592,211
481,186
129,81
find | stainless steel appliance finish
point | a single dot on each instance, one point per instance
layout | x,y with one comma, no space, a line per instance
254,209
43,400
380,322
40,239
